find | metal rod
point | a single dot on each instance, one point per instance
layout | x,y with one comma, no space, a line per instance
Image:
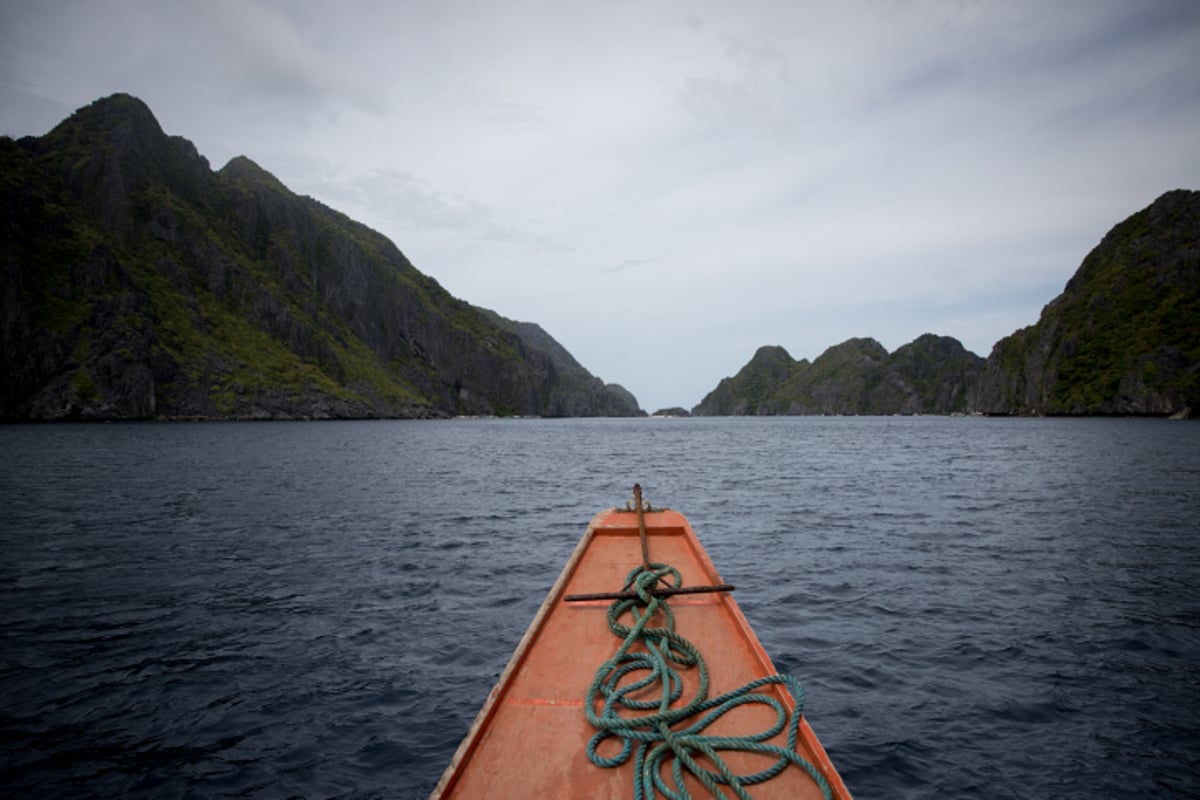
666,592
637,501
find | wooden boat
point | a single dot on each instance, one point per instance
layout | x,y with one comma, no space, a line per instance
531,737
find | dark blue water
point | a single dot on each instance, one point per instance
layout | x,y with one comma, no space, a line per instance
979,608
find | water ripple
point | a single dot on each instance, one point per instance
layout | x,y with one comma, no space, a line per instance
982,608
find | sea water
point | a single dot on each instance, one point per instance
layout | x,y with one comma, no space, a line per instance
988,608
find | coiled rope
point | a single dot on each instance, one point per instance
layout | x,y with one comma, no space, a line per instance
665,653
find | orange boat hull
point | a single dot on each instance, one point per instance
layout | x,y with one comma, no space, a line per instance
529,738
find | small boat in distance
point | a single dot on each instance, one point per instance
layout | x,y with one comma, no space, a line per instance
570,716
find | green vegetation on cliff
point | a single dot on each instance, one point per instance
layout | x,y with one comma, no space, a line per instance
931,375
1123,337
139,283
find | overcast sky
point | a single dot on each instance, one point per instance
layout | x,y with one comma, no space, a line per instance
667,186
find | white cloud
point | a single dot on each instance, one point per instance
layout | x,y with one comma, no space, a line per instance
667,186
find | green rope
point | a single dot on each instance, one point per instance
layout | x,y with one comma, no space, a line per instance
657,734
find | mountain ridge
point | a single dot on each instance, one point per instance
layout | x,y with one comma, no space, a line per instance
1123,338
139,283
931,375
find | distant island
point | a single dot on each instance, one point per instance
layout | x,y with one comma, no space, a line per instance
141,284
932,375
1122,339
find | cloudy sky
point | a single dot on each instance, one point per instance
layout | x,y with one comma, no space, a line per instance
666,186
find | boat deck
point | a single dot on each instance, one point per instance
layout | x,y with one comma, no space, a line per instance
529,739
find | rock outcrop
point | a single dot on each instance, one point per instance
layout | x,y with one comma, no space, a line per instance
931,375
138,283
1123,338
575,391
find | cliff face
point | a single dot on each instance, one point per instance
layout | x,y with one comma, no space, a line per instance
575,392
931,375
138,283
1123,337
752,391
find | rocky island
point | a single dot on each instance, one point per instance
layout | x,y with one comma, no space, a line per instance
138,283
1123,338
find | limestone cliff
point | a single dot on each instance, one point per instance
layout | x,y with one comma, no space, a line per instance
931,375
575,391
1122,339
139,283
1124,335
